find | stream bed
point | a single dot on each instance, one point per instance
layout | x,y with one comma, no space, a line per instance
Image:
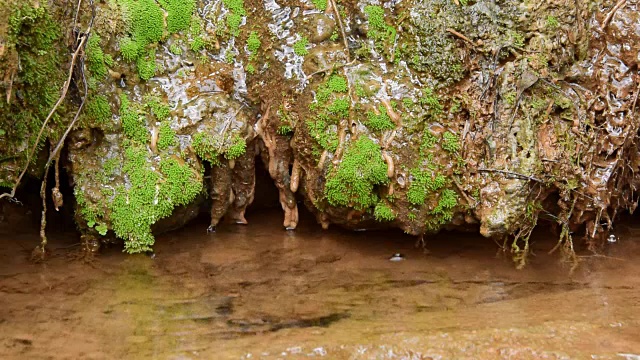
259,292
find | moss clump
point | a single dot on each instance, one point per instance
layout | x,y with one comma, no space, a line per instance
157,108
179,14
450,142
300,46
284,130
149,196
250,69
98,113
320,132
320,4
422,184
31,56
234,17
253,44
381,121
175,49
444,210
331,104
95,57
382,34
552,22
145,23
431,102
133,121
340,107
147,66
383,213
352,182
205,147
238,148
166,136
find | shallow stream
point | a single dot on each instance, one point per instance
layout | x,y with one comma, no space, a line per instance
259,292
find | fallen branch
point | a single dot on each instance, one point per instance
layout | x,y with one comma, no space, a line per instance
511,173
344,36
461,36
333,67
611,13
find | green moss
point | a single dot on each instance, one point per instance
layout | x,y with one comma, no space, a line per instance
444,210
353,182
382,34
98,111
510,97
300,46
284,130
552,22
145,20
95,57
129,49
30,46
422,184
110,166
147,66
198,44
133,122
319,131
253,44
179,14
166,136
205,147
149,196
450,142
340,107
175,49
238,148
234,17
383,213
431,101
320,4
157,108
250,69
381,121
334,36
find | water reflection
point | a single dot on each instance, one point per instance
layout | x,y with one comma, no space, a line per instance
258,292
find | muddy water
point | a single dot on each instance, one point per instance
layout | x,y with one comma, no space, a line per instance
259,292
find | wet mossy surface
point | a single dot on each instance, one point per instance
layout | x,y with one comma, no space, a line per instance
420,124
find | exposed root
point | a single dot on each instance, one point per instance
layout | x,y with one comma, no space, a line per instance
390,166
511,173
323,158
344,36
395,117
295,176
461,36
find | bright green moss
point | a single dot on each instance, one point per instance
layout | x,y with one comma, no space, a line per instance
319,131
129,49
383,213
145,20
447,202
205,147
340,107
110,166
381,121
175,49
179,14
422,184
157,108
450,142
381,33
284,130
98,111
166,136
133,123
198,44
238,148
250,69
253,43
95,57
149,196
147,66
300,46
236,13
353,182
320,4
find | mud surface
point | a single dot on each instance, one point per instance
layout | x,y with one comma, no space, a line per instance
260,292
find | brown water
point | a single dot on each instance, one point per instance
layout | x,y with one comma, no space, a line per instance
258,292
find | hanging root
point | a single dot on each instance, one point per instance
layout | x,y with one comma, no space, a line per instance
295,176
390,166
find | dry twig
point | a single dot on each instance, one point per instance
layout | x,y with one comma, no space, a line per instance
611,13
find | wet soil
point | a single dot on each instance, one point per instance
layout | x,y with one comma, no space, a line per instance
260,292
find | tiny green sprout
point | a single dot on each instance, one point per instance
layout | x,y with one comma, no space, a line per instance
251,69
320,4
552,22
300,46
253,43
175,49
